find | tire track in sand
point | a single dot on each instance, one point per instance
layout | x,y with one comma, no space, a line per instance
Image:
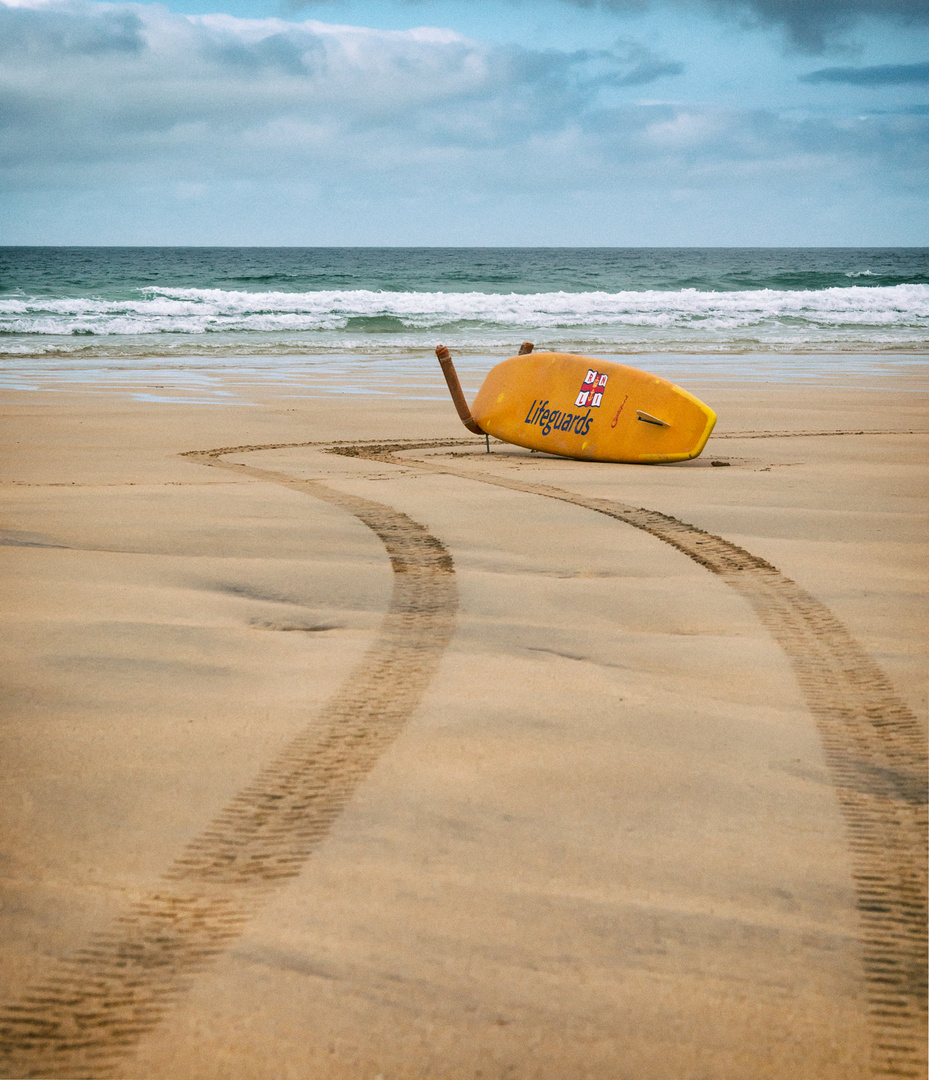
89,1013
874,746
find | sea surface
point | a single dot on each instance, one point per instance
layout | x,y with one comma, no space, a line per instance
734,310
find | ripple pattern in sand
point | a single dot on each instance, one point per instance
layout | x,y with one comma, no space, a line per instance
89,1013
875,750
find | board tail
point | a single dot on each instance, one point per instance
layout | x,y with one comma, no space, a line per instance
454,388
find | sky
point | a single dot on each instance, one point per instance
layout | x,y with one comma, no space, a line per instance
465,122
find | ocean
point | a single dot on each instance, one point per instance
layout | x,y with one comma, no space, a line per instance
75,314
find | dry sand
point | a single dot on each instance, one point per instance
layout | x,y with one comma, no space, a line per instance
559,800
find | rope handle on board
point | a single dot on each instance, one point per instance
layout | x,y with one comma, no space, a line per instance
454,388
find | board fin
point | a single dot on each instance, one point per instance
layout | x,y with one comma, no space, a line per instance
454,388
647,418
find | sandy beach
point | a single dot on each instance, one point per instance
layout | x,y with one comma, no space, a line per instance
355,752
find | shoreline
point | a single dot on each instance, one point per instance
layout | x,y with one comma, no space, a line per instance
256,380
605,836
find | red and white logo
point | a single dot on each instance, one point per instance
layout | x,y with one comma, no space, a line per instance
592,390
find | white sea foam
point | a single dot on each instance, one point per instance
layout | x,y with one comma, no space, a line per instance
851,317
198,310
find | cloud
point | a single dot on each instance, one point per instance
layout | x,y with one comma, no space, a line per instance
877,75
812,25
89,83
108,99
808,25
34,32
631,64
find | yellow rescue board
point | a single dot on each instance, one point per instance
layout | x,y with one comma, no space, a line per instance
595,410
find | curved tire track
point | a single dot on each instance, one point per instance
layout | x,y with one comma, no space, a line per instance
89,1013
875,751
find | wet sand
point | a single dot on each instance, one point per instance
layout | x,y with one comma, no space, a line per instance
415,761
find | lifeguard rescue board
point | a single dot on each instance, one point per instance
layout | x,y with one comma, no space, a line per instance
579,407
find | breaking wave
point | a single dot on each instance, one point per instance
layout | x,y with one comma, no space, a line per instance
852,317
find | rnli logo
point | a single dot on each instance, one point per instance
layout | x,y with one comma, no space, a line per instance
591,393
